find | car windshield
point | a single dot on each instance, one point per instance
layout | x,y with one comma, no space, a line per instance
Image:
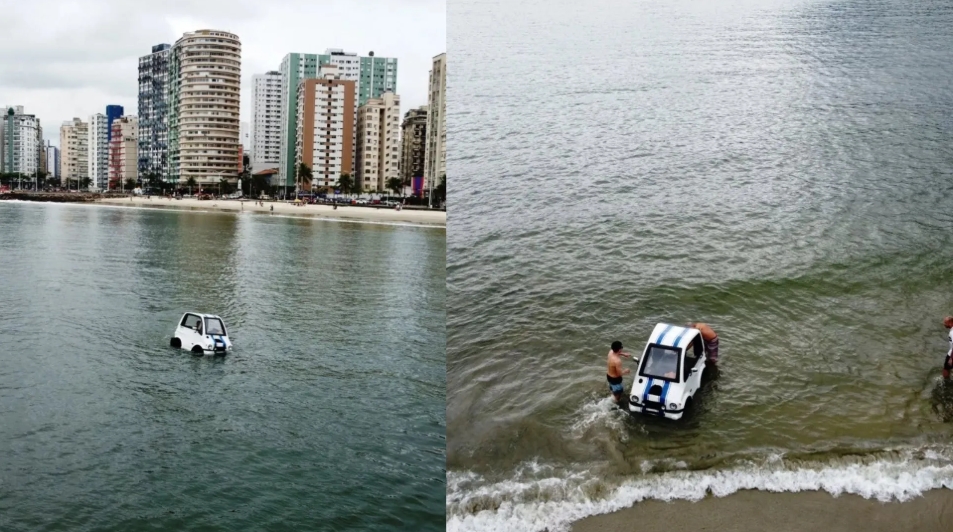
214,326
661,363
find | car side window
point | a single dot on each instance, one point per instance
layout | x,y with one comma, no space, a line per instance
692,353
191,321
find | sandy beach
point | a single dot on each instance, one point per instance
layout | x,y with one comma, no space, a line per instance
806,511
346,213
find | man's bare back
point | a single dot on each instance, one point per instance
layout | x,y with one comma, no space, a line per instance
614,366
708,334
711,340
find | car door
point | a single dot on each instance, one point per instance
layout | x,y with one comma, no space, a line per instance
695,363
189,336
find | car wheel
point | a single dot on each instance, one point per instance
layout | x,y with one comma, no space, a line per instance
689,408
176,343
197,350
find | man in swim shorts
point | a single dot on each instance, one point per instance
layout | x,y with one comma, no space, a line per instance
711,340
614,371
948,362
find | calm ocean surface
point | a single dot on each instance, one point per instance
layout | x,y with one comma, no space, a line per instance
329,414
782,169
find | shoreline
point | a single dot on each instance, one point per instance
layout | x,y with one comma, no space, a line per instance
354,214
804,511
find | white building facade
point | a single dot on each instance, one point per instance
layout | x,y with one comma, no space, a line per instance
266,120
98,158
435,151
20,142
378,138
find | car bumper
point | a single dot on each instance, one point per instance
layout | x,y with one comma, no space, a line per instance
651,410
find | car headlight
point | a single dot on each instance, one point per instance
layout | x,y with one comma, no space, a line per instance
634,399
672,406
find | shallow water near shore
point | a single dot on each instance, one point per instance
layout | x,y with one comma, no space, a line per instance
779,169
330,412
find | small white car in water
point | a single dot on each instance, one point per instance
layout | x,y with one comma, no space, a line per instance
201,333
669,372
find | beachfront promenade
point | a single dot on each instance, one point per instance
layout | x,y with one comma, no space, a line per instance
351,213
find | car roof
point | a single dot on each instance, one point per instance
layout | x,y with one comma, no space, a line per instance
202,315
672,335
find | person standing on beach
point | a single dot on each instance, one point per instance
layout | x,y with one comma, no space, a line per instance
614,371
711,340
948,362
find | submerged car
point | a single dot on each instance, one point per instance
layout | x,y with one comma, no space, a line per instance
669,372
200,334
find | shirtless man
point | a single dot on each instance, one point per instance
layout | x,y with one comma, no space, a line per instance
711,340
614,371
948,363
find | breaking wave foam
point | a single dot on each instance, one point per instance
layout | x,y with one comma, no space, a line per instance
538,497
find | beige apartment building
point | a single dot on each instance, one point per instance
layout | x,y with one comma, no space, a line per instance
325,126
378,142
204,125
435,154
74,151
123,151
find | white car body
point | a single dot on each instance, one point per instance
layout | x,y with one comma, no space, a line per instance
669,372
201,333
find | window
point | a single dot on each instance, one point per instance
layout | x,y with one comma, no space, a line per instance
661,362
692,353
191,321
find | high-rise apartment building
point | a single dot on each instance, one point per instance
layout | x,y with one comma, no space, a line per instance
21,139
435,154
204,122
98,151
123,151
52,161
378,142
412,142
154,111
372,76
113,112
74,151
325,126
266,120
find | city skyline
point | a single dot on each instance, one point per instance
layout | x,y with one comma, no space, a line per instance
57,82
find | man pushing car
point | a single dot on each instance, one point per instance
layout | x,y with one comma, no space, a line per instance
711,340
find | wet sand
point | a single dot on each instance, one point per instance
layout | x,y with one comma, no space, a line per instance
807,511
347,213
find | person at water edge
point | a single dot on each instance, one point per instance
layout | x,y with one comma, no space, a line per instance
711,340
948,362
614,371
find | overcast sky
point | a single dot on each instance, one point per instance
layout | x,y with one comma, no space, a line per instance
62,59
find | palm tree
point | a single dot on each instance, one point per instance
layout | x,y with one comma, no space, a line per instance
130,183
395,184
224,187
304,177
85,182
346,184
191,182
